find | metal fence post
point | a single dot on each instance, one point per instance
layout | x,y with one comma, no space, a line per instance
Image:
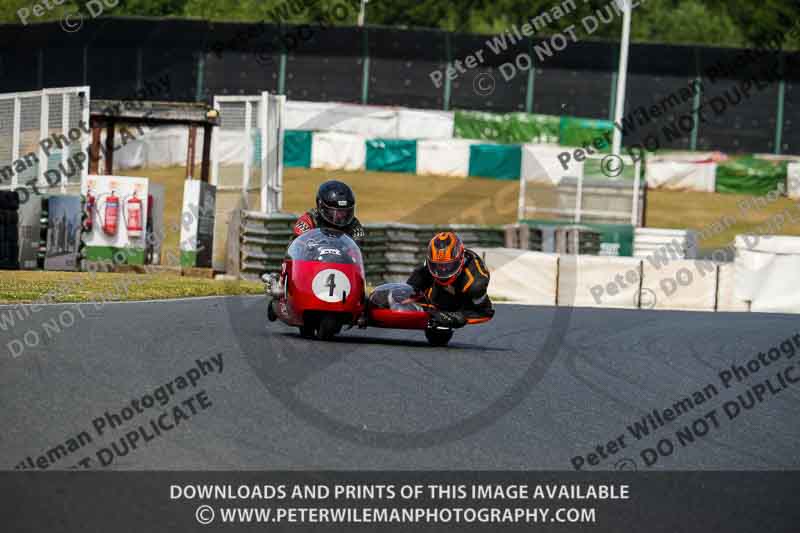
365,67
696,112
612,104
282,74
139,68
201,75
447,83
531,75
779,111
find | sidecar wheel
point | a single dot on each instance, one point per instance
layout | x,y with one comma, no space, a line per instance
438,337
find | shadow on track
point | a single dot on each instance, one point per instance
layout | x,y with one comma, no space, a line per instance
388,341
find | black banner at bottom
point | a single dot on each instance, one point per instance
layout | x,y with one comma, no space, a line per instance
618,502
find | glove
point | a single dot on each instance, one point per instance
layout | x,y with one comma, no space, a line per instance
447,319
271,285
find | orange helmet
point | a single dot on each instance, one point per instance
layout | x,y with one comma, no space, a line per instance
445,257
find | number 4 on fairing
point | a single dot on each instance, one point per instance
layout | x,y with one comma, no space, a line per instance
331,283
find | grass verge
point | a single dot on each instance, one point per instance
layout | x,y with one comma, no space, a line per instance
67,287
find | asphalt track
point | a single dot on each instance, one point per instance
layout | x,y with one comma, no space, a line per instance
511,394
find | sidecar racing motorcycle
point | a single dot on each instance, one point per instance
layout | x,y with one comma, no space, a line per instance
322,289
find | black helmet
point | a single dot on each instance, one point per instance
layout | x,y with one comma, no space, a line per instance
336,203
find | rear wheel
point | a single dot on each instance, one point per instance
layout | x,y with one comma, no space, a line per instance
328,327
438,337
271,315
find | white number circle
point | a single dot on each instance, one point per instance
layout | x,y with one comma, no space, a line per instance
331,285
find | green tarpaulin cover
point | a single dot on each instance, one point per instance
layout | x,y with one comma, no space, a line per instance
392,155
500,161
506,128
748,175
297,148
583,131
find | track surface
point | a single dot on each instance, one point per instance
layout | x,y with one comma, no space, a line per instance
497,398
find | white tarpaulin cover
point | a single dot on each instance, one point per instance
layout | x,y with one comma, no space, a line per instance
333,150
160,147
540,164
369,121
443,157
768,272
521,276
424,124
681,175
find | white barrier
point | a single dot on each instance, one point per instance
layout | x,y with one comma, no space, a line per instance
520,276
443,157
793,187
680,285
333,150
726,290
581,278
768,272
673,242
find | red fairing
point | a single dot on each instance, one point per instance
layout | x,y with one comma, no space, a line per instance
388,318
318,286
303,224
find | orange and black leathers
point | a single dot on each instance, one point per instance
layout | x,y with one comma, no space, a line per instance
466,296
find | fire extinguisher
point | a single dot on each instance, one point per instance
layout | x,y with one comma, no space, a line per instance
134,217
88,221
111,217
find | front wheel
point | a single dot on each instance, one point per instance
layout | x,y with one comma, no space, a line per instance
328,327
307,332
438,337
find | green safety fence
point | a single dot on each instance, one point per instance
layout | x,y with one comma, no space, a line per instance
584,131
749,175
499,161
297,148
506,128
392,155
613,237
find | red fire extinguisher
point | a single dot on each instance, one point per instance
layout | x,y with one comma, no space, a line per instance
111,218
134,217
88,221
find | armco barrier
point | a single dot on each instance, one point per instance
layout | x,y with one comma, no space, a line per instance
391,251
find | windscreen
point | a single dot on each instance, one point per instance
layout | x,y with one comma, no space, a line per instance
325,246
